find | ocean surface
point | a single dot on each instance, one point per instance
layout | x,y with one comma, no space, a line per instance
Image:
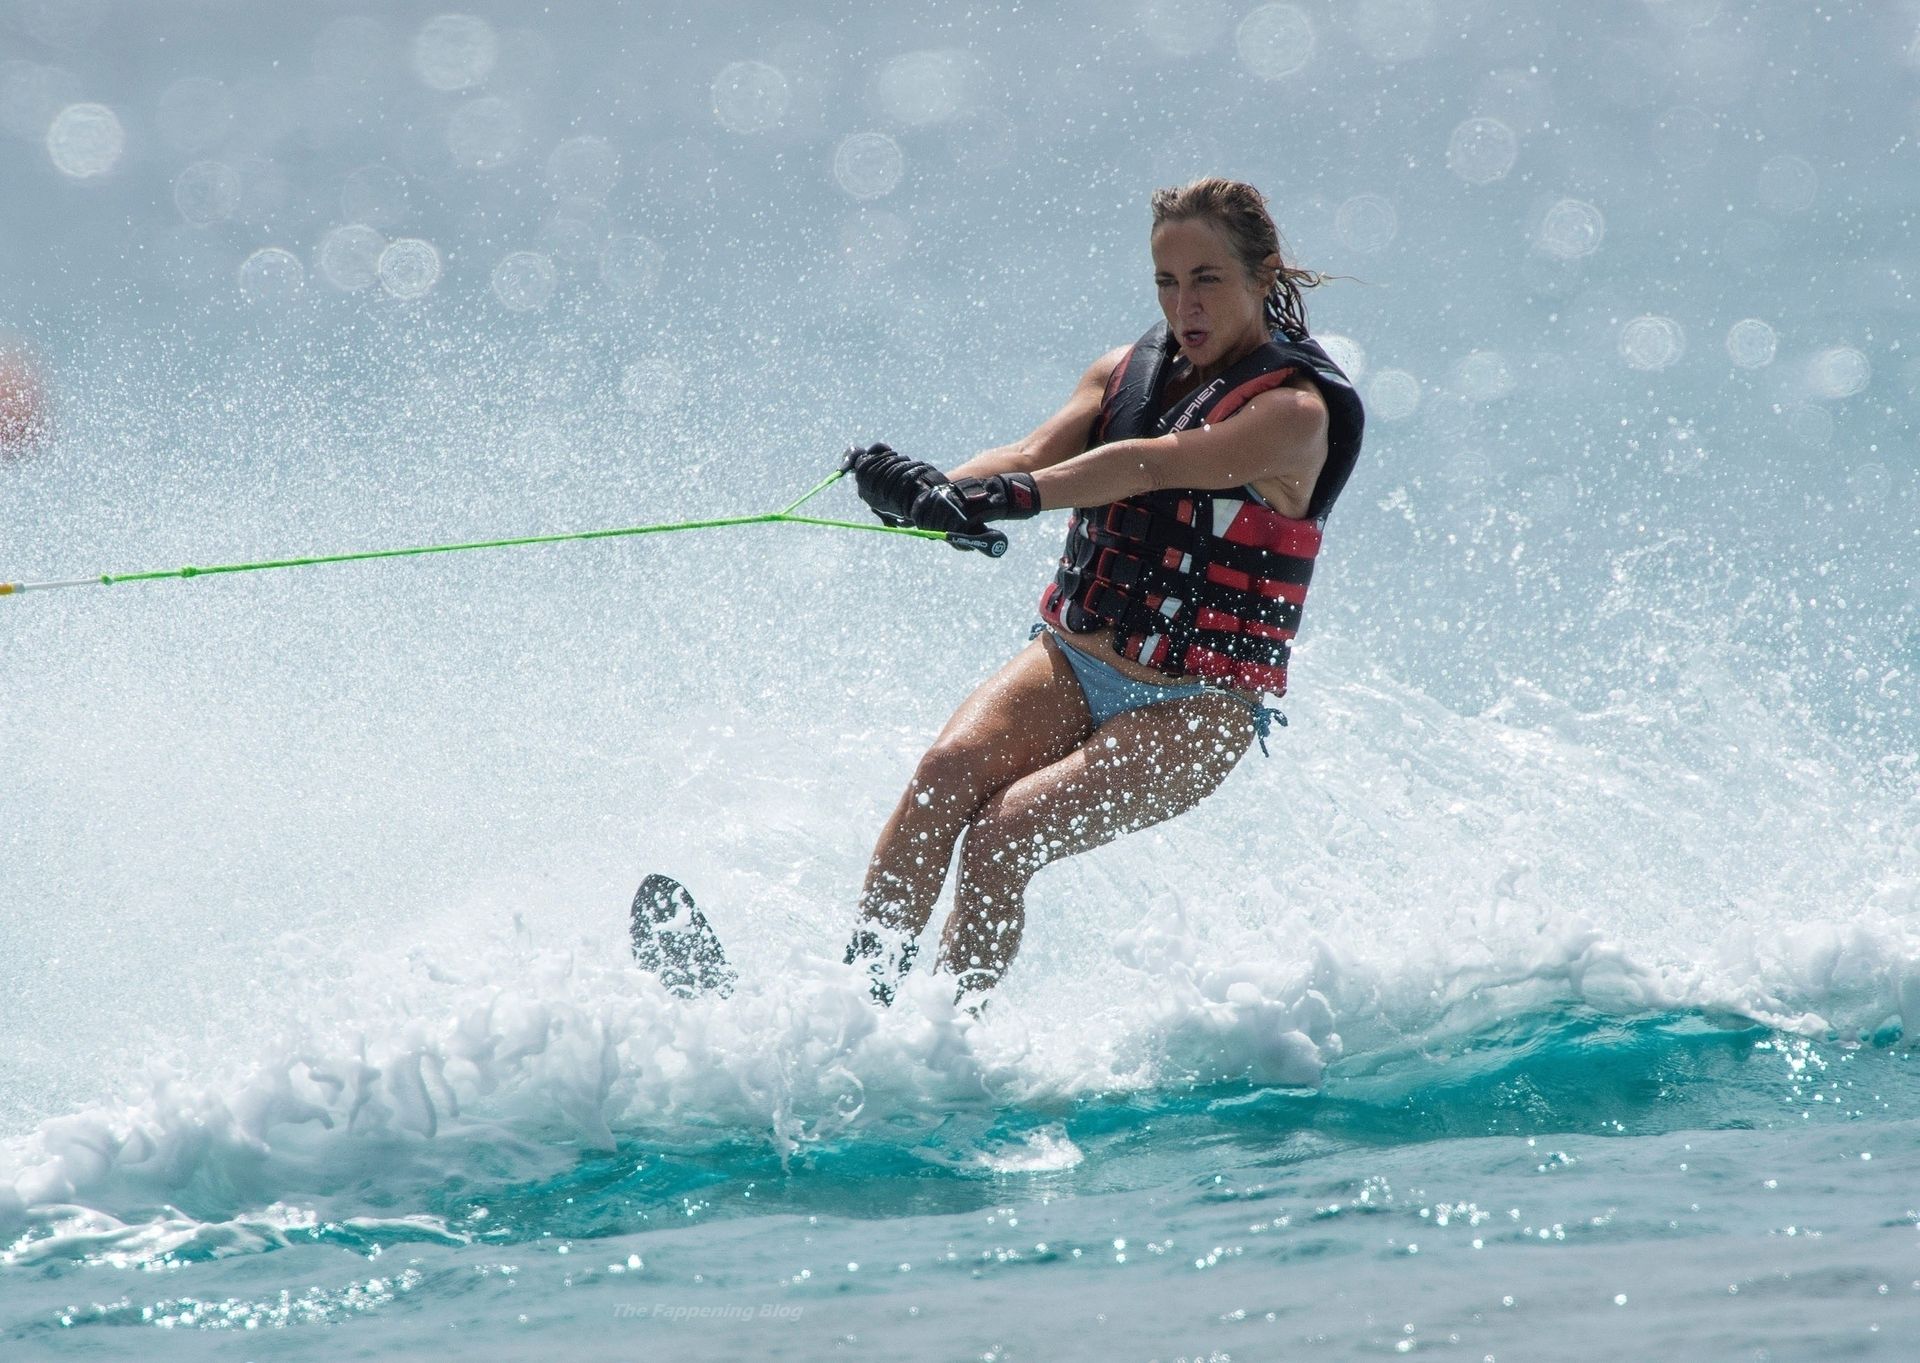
1550,993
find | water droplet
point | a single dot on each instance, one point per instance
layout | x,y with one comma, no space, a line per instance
272,275
195,114
583,168
750,97
868,165
1571,229
523,281
1651,342
409,267
1751,343
86,140
1274,41
1838,372
1482,150
349,257
631,265
1393,395
1483,376
207,192
1367,222
923,87
1788,184
454,52
485,132
1393,30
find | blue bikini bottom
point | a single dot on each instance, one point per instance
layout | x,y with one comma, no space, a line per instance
1110,692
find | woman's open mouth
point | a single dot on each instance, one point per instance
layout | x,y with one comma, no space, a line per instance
1193,340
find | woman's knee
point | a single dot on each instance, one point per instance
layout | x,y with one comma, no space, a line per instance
953,778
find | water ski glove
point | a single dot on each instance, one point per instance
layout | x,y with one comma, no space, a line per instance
889,482
1002,497
960,507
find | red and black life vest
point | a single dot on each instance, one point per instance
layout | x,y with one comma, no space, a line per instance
1201,583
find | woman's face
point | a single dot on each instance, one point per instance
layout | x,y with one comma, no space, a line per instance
1212,308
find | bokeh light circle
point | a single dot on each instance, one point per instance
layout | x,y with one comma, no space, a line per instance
86,140
485,132
1346,352
631,264
868,165
272,275
207,192
1651,341
1367,222
1571,229
1483,376
1393,395
1392,31
750,97
1751,343
524,281
349,257
1482,150
1275,41
454,52
409,267
1838,372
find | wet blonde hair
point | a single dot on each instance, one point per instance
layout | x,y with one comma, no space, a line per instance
1240,212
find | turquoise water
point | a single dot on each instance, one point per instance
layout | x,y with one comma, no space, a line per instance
1532,1191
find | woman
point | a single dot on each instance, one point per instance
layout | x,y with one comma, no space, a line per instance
1171,613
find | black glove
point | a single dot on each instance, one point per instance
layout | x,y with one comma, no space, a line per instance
888,481
966,502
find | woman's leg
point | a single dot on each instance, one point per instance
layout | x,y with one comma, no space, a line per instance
1142,767
1027,715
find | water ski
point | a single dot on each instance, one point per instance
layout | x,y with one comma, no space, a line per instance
673,940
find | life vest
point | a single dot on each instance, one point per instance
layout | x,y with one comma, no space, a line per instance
1201,583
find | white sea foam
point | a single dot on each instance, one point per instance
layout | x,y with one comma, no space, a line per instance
522,1042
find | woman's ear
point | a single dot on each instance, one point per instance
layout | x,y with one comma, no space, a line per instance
1272,266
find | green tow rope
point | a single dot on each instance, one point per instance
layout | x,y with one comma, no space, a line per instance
992,543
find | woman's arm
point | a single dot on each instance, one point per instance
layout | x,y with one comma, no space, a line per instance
1279,435
1061,436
